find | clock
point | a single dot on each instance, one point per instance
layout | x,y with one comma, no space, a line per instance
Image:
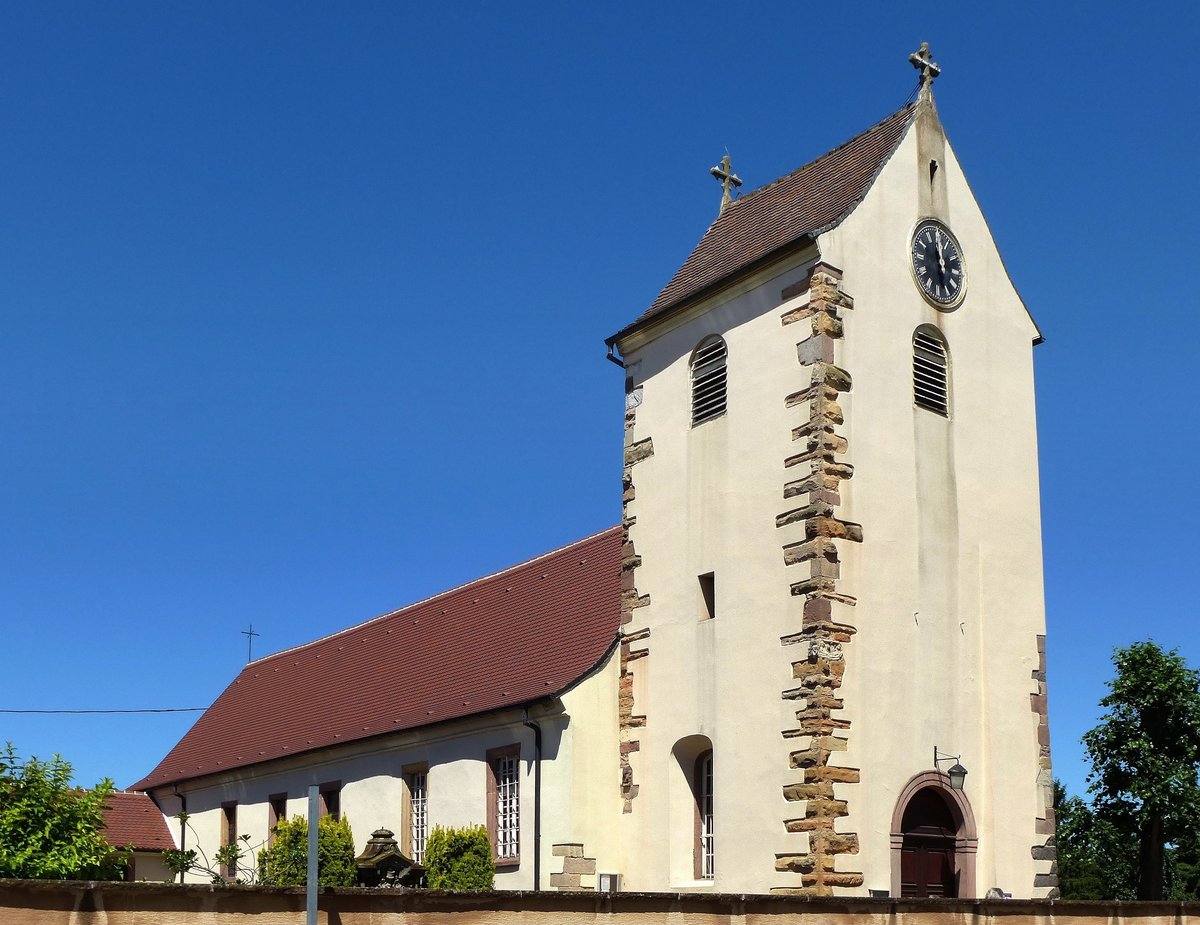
937,264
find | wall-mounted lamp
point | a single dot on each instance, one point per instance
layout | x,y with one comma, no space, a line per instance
957,773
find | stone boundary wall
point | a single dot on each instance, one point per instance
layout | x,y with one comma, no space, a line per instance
27,902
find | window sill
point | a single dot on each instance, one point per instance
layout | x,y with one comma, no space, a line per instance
693,886
506,865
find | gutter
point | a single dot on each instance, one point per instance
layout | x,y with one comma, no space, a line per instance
182,825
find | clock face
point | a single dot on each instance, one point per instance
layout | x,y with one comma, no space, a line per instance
937,264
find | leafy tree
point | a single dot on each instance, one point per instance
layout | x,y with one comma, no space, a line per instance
1145,754
49,829
1093,858
285,862
459,859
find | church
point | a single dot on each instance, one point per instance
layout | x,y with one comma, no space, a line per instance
811,657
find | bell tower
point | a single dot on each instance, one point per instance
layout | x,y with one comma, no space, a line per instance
832,557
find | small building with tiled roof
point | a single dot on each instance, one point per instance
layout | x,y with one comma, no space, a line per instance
132,821
811,658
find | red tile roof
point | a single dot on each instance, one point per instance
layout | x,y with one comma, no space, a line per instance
517,636
131,820
773,218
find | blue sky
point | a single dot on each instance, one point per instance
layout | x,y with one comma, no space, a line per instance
302,305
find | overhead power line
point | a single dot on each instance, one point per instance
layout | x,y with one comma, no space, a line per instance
76,712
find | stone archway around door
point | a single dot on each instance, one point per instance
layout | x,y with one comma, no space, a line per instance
959,844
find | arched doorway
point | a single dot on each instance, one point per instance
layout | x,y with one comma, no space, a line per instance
933,840
927,851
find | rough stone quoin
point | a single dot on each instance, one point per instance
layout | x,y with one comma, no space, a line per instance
578,873
628,719
817,496
1045,823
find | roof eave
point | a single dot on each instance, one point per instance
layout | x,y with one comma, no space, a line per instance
673,309
148,787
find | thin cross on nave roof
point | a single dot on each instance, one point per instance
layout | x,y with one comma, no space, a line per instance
250,634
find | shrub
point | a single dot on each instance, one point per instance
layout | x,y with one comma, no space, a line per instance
285,863
50,829
459,859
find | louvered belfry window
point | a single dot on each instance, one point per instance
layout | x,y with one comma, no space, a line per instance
931,371
708,380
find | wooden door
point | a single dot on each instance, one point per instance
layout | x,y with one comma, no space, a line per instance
927,864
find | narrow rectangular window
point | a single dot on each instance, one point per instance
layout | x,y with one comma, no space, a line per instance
229,835
276,813
331,799
416,811
504,804
706,857
708,596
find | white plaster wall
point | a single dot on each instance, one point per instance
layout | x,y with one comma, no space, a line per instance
579,767
149,866
949,577
706,501
951,523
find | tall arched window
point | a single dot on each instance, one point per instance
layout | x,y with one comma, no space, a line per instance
931,370
706,856
708,380
692,797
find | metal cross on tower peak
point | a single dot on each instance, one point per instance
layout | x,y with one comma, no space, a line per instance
729,180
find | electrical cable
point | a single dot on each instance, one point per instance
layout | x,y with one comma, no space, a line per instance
75,712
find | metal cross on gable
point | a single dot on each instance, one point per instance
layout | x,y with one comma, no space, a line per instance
729,180
250,634
923,62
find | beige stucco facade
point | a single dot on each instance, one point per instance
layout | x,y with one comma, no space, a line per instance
942,596
579,738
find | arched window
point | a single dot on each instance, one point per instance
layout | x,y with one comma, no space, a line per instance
931,370
706,857
708,380
692,797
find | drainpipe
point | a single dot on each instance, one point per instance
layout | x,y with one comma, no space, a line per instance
537,799
182,824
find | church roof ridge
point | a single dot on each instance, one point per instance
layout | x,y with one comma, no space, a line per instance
757,226
525,633
907,110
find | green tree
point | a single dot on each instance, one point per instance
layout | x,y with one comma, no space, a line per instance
459,859
49,829
285,862
1092,853
1145,754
